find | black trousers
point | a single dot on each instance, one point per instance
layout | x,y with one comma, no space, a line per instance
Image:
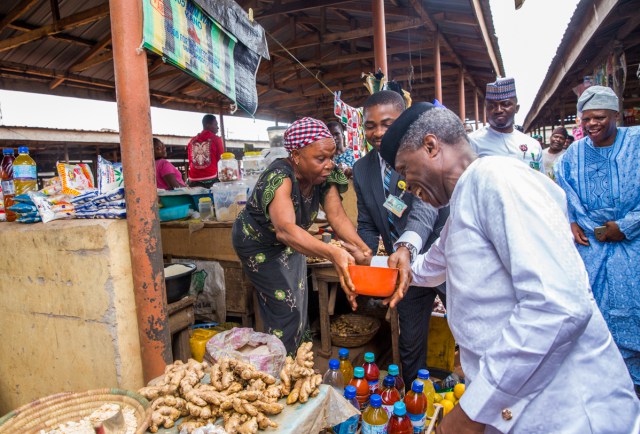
414,312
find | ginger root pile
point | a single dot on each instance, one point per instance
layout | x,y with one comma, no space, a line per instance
239,393
299,373
244,396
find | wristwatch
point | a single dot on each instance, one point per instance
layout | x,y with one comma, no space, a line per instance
412,249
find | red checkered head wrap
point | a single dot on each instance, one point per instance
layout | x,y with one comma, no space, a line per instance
303,132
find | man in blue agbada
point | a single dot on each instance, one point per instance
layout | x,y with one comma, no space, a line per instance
601,178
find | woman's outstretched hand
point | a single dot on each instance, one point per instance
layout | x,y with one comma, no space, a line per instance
341,260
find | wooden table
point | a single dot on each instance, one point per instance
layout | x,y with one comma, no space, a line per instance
181,316
325,281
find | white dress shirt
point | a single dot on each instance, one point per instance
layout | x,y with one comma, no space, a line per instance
536,352
486,141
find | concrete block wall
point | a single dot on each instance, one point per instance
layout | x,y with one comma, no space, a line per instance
67,310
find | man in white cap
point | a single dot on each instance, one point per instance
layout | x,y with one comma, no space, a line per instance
600,177
500,137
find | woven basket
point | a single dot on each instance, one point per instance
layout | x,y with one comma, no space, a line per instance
47,413
356,340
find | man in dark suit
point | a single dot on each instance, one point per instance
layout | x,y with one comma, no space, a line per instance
403,237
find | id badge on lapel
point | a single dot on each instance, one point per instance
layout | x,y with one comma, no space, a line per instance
395,204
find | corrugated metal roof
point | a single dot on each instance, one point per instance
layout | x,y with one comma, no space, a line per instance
285,89
589,38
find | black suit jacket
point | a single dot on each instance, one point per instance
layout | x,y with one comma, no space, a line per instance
373,222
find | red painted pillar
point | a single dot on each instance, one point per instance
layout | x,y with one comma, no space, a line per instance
134,118
379,37
461,96
437,71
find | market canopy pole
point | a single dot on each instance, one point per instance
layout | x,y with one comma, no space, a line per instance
132,94
222,134
477,114
437,71
461,98
379,38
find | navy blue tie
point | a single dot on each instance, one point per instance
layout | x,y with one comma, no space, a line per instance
390,216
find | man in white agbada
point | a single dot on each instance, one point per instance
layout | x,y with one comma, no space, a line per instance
500,137
536,352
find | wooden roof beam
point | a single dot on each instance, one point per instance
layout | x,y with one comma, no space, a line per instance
454,18
366,55
296,6
78,66
16,13
389,11
93,61
486,37
348,35
25,27
68,23
567,56
429,24
55,10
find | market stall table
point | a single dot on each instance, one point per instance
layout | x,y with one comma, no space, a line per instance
325,281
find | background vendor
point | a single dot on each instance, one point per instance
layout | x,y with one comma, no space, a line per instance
168,177
270,235
344,157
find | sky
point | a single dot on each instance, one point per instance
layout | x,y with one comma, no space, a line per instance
528,39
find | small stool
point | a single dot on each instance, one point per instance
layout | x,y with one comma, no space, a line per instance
181,316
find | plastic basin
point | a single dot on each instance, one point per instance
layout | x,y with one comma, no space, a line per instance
174,213
177,200
373,281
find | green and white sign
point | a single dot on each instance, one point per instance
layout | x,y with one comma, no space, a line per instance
185,36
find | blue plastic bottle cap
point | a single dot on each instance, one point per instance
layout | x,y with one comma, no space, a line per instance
23,150
417,386
334,364
358,372
389,381
7,151
349,392
369,357
399,409
343,353
376,400
423,374
394,370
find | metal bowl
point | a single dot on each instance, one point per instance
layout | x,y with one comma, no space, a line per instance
178,286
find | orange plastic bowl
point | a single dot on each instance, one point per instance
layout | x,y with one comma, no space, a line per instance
373,281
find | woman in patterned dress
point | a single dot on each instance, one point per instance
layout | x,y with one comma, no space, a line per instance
270,236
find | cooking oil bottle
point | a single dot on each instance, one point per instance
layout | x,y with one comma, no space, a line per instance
25,173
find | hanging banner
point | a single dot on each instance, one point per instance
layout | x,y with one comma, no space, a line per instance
186,37
351,118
